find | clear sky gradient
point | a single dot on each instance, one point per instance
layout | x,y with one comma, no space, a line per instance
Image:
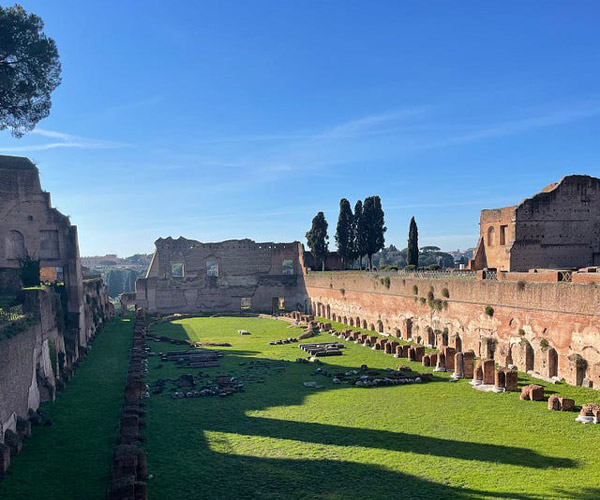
230,119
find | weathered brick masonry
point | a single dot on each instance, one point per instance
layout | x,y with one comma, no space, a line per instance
551,328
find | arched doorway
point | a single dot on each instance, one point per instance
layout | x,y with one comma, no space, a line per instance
328,309
380,326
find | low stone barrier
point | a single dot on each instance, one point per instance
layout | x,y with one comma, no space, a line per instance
130,469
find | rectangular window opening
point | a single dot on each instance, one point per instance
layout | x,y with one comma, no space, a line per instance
287,267
246,303
503,235
177,270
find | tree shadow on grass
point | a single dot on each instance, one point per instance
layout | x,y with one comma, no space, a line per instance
227,475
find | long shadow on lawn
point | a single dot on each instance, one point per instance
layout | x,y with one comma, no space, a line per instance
229,475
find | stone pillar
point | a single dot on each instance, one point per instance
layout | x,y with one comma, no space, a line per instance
449,353
469,363
511,380
488,371
459,366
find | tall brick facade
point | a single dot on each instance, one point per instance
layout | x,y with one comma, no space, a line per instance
558,228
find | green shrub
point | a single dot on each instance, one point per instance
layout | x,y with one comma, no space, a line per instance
422,300
544,344
445,293
521,331
489,310
410,267
30,271
415,289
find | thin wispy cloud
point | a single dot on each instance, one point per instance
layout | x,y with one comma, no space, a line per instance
513,127
63,140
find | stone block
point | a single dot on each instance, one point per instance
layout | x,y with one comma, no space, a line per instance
4,458
511,382
489,375
23,427
13,441
469,363
532,392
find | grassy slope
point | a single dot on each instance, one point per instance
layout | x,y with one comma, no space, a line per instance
280,440
71,459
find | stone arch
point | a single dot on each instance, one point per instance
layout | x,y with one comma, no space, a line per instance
357,322
478,373
491,235
524,356
457,343
380,326
372,327
430,336
409,328
397,332
328,310
500,379
351,321
419,340
334,317
364,324
552,362
15,245
345,320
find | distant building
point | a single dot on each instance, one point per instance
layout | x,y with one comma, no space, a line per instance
558,228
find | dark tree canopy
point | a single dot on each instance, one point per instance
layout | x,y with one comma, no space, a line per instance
317,238
29,70
412,256
359,245
343,234
374,227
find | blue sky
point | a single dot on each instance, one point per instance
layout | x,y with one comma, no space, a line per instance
232,119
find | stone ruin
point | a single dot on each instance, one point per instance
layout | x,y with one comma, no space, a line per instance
130,470
188,276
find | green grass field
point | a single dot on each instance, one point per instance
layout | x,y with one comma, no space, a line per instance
71,460
281,440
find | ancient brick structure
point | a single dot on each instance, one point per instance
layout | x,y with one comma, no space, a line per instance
551,329
558,228
188,276
41,347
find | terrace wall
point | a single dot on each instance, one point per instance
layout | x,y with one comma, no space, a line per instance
551,328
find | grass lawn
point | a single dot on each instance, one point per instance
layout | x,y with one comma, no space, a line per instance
281,440
72,458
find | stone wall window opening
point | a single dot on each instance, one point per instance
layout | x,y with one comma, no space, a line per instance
281,303
49,246
287,267
503,229
14,245
246,303
177,270
490,236
212,268
52,275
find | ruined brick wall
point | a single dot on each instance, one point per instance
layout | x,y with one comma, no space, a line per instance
27,373
558,228
215,277
551,328
37,359
29,225
497,234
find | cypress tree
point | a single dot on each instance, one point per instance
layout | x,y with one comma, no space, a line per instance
358,233
412,256
343,234
373,217
317,238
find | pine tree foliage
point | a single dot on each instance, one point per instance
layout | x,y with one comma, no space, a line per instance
317,238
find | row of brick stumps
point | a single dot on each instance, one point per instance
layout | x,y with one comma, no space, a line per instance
130,468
